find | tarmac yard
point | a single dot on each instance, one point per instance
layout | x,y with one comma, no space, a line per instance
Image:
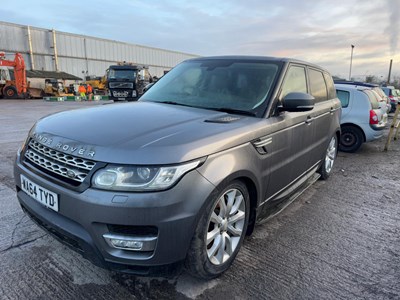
338,240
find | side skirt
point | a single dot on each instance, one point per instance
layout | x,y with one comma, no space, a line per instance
270,208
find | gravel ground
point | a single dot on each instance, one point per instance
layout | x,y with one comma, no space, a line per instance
339,240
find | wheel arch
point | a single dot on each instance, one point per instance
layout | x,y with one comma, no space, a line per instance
338,134
355,126
251,184
253,194
196,262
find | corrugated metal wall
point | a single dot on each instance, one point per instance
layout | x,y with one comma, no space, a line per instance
80,55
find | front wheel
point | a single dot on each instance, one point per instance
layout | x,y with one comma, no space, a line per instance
220,232
330,156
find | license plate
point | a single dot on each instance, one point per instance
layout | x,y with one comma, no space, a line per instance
121,98
40,194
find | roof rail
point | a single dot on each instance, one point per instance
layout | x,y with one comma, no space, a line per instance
356,83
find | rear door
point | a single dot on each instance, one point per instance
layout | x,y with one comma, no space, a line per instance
322,114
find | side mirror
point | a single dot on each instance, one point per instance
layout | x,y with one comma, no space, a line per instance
297,102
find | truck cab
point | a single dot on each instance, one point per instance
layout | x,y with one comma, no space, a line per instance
125,81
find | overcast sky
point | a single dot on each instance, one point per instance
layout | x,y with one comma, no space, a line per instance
320,31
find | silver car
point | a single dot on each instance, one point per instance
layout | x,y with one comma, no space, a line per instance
363,119
182,175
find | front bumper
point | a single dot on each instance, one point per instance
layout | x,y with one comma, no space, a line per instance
123,94
83,218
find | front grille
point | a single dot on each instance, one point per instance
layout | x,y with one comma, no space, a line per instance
121,85
120,93
66,165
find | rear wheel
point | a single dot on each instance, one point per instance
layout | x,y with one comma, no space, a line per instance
351,139
10,92
326,168
220,232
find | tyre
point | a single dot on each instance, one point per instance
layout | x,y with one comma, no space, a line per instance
10,92
331,152
351,139
220,232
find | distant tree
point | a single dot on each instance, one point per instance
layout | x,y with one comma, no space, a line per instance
371,79
396,81
335,77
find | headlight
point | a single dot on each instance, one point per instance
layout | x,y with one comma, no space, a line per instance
140,178
25,142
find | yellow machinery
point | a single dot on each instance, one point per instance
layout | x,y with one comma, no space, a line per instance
98,83
53,87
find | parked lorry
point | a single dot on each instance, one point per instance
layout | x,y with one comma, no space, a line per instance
126,81
13,83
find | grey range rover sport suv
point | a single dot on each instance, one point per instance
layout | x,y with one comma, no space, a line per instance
184,174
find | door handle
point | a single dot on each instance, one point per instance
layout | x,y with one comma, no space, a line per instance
310,120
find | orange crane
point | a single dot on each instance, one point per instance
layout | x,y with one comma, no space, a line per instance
17,87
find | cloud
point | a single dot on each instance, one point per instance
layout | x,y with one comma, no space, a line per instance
317,31
394,25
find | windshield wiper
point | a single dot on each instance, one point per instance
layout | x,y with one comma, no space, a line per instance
223,109
234,111
174,103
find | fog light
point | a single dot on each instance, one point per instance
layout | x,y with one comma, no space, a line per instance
132,243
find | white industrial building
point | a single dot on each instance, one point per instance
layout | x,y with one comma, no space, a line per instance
79,55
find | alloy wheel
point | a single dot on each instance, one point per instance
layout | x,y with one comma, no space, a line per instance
225,226
330,155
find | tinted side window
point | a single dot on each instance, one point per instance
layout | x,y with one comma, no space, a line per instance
344,97
330,85
317,85
295,81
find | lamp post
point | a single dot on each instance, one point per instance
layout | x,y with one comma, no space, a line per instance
351,60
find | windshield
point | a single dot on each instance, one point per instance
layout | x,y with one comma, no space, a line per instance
122,74
215,84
